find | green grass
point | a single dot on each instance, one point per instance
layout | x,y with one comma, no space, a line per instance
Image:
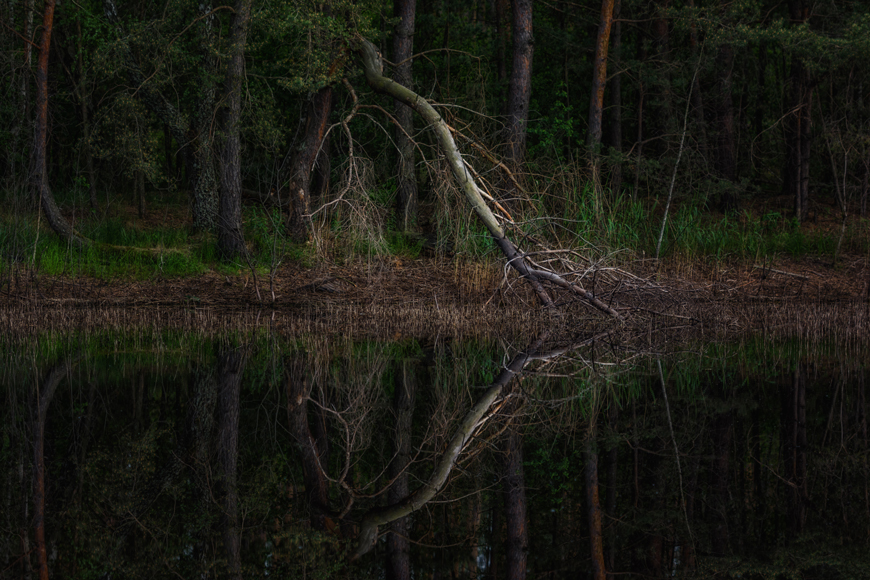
124,249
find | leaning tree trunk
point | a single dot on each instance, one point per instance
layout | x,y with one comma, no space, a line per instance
40,139
373,67
403,44
231,240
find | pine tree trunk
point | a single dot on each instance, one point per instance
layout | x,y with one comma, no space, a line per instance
231,366
616,101
403,45
398,545
520,87
231,240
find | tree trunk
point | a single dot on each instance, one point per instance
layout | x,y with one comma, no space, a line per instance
205,200
797,126
610,498
231,240
514,485
40,140
295,174
724,112
520,87
398,545
403,45
616,102
599,76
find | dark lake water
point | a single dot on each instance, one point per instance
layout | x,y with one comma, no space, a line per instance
167,453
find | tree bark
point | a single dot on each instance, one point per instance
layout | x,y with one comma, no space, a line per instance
726,147
616,101
794,449
231,240
295,176
403,48
798,125
55,219
599,76
520,87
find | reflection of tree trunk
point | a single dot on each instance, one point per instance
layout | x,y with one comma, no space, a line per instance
231,365
42,402
316,485
295,174
403,43
794,449
593,507
612,460
517,541
722,430
398,546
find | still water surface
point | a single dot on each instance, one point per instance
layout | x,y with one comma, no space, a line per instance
168,453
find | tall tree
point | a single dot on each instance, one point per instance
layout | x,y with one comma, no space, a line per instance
40,140
798,122
596,100
520,86
231,241
403,47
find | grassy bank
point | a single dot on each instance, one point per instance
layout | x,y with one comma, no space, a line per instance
162,245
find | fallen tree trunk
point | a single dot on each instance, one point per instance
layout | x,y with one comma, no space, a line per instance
373,67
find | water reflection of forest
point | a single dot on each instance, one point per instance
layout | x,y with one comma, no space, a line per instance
175,455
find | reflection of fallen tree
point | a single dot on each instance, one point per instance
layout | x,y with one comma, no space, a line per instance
471,424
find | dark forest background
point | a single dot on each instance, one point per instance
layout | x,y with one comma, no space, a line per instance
567,109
